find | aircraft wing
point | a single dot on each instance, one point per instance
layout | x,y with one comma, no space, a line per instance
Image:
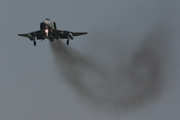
64,34
32,35
78,33
23,35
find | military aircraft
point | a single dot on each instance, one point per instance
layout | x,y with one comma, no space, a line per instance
48,30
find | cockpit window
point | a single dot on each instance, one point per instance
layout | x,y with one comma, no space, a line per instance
47,19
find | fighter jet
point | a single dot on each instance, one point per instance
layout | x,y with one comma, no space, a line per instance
48,30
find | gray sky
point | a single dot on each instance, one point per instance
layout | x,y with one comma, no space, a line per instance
127,67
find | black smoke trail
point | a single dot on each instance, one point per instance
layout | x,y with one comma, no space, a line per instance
128,84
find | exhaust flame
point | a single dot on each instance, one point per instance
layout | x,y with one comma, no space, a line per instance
46,30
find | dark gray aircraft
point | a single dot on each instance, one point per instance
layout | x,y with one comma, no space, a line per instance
49,31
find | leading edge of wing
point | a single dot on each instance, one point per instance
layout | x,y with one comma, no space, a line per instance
73,33
31,35
28,35
78,33
24,35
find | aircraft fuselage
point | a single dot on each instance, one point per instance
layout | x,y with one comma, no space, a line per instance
47,28
49,31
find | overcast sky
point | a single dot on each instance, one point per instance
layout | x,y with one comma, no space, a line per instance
127,67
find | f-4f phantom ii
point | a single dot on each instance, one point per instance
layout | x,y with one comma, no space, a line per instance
48,30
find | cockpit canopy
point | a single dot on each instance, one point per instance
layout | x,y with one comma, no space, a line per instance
47,19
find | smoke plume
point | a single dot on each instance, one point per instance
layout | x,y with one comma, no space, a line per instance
121,85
